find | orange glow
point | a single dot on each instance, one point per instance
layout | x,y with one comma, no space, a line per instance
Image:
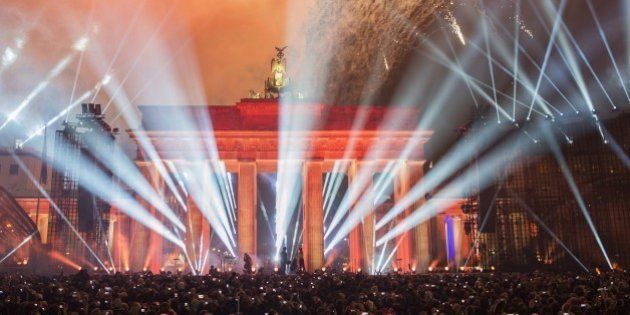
331,257
150,253
355,244
64,260
85,262
239,27
123,249
433,264
615,266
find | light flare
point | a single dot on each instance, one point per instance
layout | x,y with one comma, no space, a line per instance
12,251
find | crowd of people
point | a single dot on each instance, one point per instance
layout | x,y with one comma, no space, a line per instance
330,292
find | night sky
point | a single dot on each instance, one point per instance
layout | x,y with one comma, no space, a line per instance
213,52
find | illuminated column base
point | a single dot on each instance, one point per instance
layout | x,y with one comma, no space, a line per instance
120,242
156,241
195,245
139,236
438,241
367,229
246,216
205,249
138,245
453,228
368,240
421,235
404,254
422,246
355,238
313,216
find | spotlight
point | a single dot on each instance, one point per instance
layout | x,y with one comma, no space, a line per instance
162,269
275,269
492,268
126,269
395,269
430,269
462,268
413,269
446,268
20,41
359,270
344,269
95,268
324,269
8,57
253,269
106,79
230,269
81,44
179,269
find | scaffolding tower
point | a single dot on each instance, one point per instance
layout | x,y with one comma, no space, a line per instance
77,182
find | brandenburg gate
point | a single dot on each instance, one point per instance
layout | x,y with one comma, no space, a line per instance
247,137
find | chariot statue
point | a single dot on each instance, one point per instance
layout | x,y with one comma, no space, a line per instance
278,81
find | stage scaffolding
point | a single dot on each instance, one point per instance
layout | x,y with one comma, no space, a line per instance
74,164
534,186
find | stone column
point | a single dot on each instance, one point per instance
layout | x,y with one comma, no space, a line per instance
156,241
125,233
356,235
246,213
195,222
404,254
438,240
114,239
313,216
205,238
367,225
139,236
453,240
422,255
203,228
111,235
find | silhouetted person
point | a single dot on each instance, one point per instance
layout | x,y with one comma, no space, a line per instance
301,260
284,261
81,278
247,263
294,264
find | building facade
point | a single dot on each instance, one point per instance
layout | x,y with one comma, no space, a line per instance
25,192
